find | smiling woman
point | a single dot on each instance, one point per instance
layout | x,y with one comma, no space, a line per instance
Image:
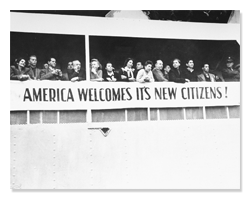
19,72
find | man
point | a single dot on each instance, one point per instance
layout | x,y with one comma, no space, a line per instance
205,76
189,72
19,71
176,75
157,72
109,75
231,73
32,65
51,73
166,71
138,67
76,74
145,75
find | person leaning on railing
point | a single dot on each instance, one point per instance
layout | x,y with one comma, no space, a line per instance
177,75
51,72
109,74
126,73
74,71
189,72
231,72
138,67
145,75
95,70
18,71
157,72
166,71
205,76
32,64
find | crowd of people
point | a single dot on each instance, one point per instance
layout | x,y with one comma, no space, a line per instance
147,72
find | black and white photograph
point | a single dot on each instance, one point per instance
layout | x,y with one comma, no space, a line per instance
125,100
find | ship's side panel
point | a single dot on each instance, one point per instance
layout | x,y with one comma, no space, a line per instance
185,154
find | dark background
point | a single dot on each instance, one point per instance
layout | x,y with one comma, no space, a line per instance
67,48
64,48
117,49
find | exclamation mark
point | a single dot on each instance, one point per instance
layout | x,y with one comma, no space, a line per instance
225,92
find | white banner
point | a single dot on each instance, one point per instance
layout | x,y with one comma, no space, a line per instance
64,95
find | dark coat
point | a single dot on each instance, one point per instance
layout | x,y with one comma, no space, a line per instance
158,75
176,76
231,75
105,76
15,73
72,73
192,76
46,74
123,72
36,72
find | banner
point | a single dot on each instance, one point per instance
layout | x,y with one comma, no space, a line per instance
64,95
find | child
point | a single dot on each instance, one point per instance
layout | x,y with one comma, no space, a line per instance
109,75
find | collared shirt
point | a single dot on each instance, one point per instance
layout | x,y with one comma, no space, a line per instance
129,72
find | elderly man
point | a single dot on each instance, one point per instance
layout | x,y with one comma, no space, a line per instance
157,72
231,73
32,65
76,74
51,73
205,76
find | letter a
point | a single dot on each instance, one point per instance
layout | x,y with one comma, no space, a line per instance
27,95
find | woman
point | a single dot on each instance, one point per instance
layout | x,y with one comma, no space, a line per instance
145,75
20,72
126,73
95,70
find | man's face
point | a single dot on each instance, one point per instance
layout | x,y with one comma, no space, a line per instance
45,65
190,64
159,64
230,64
206,68
76,65
167,68
176,64
70,65
148,67
109,67
139,65
52,62
33,61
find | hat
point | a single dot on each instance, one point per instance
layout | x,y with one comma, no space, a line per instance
229,59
